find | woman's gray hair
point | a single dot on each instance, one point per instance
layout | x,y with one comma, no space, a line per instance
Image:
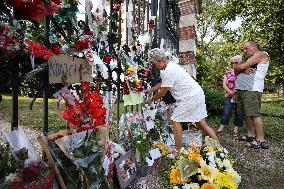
237,58
157,54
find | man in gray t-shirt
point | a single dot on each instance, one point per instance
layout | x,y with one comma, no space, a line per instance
249,91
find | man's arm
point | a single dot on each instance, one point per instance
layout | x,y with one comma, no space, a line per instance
256,58
160,94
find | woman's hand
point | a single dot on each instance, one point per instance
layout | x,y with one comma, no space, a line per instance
148,91
148,101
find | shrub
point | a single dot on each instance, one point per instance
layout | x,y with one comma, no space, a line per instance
7,164
214,101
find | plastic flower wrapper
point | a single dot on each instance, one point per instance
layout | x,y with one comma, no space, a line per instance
86,150
21,147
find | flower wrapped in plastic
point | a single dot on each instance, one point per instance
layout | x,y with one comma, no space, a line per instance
206,166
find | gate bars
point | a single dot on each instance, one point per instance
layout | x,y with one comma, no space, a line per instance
166,14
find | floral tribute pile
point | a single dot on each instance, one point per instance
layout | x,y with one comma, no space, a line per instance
206,167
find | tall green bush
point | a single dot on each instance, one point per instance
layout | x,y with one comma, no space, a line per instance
214,101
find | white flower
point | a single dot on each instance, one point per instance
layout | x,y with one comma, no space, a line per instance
222,155
227,164
211,158
175,187
226,151
171,156
212,164
191,186
219,163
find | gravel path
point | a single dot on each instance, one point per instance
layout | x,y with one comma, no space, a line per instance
259,168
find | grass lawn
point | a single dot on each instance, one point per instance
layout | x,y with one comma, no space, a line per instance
34,118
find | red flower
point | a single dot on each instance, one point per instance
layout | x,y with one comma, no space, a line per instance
35,9
57,2
90,109
151,24
107,59
38,50
88,33
81,45
55,48
115,8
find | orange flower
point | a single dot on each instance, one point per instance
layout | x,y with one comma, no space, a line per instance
194,156
208,186
175,177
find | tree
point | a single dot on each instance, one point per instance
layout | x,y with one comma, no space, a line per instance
262,21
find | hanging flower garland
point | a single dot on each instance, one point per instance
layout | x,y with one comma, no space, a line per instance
35,9
8,40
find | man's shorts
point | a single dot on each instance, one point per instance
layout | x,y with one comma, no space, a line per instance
249,103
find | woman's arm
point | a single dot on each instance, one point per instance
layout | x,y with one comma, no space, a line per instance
155,88
226,88
157,96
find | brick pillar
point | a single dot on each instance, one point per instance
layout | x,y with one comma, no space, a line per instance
187,43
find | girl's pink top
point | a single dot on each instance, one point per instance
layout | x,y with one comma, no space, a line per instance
231,77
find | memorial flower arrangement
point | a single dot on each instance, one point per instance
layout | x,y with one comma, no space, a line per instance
88,112
132,80
208,166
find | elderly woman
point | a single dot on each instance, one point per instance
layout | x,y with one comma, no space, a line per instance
190,100
229,103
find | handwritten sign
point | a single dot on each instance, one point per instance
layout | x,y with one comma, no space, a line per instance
67,69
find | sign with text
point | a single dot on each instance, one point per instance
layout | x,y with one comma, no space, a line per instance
67,69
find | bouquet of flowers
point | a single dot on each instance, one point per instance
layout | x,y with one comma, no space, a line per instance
208,166
87,113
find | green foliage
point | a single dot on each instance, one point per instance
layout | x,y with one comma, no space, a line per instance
142,145
214,101
165,164
8,163
262,21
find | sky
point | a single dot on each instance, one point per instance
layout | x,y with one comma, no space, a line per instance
235,24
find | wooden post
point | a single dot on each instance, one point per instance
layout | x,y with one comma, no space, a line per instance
43,144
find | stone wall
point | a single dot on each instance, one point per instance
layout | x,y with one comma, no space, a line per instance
187,43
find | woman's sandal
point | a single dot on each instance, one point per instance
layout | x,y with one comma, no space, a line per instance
247,138
258,145
235,136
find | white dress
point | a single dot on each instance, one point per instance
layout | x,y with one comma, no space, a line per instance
190,100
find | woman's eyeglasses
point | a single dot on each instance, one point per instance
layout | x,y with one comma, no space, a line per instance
234,63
